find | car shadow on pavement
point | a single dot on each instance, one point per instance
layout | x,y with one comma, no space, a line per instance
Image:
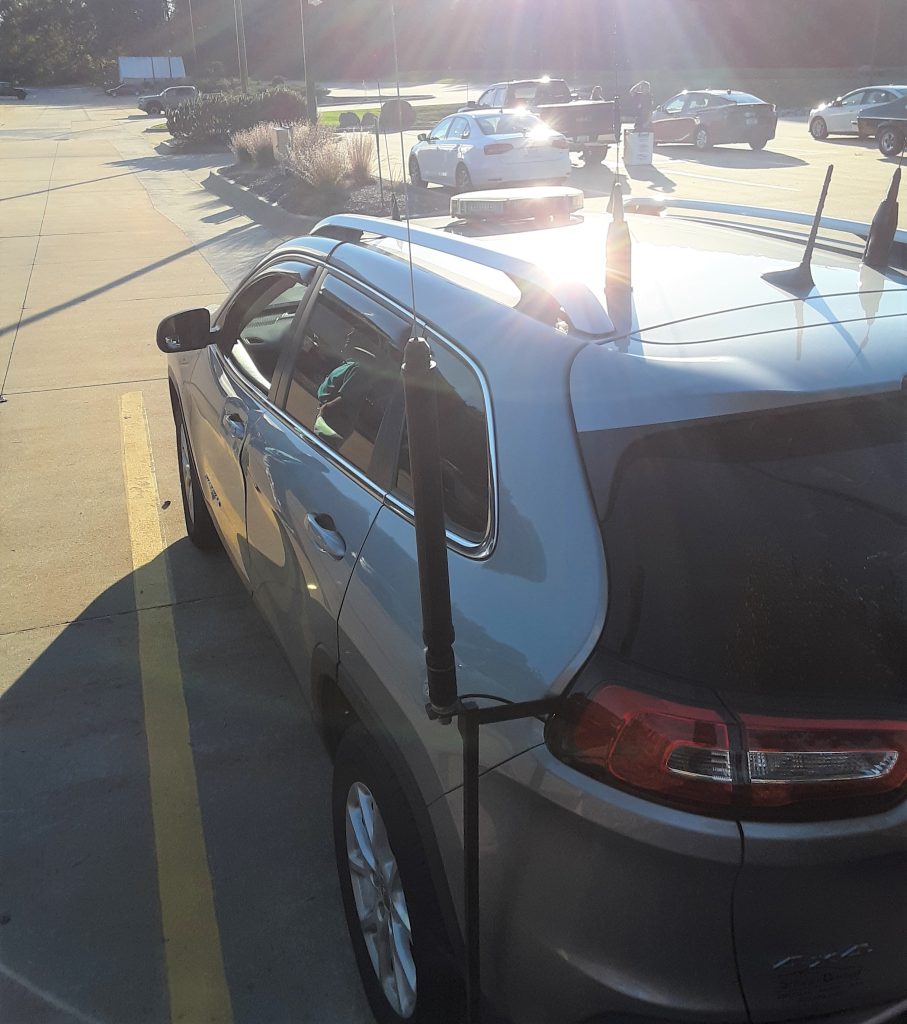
726,156
80,922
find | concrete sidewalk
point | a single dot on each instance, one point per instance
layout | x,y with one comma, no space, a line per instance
100,237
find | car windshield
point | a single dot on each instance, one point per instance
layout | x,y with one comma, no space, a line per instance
764,553
507,124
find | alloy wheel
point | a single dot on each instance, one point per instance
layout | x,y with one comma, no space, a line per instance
818,128
701,139
380,900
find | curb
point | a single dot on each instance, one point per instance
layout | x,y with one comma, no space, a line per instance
269,215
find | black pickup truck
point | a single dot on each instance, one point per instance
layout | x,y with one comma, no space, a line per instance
590,126
888,123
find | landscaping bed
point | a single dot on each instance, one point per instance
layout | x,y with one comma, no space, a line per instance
279,185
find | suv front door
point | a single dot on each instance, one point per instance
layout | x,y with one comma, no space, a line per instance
318,471
229,390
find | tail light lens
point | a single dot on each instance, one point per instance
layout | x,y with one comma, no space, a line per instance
731,765
493,148
560,142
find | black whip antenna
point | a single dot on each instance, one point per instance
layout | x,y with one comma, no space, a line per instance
799,280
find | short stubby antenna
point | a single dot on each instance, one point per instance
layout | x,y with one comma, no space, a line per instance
799,280
883,228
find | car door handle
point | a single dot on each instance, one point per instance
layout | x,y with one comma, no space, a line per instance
324,533
235,424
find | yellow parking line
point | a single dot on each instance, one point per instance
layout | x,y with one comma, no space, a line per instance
195,969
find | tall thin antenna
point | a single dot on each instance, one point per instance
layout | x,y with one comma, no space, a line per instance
409,239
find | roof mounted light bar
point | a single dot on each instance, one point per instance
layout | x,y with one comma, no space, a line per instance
548,203
541,297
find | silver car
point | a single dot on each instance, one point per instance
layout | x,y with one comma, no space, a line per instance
689,525
168,99
839,117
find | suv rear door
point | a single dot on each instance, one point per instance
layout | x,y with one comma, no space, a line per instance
315,470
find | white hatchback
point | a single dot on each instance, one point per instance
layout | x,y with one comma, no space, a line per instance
490,147
839,116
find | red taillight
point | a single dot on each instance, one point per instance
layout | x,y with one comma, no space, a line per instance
494,148
734,765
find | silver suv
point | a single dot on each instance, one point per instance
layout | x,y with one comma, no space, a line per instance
685,520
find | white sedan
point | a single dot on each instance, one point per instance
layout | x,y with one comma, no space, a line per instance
839,116
489,147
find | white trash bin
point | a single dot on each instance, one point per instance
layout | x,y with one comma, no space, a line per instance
638,148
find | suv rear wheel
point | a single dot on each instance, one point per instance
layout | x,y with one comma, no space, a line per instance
391,910
702,140
154,109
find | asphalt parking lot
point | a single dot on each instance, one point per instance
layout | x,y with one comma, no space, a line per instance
165,844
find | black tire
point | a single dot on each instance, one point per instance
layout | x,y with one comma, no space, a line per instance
21,95
818,128
890,141
200,527
701,139
462,179
594,154
759,143
415,174
154,110
438,987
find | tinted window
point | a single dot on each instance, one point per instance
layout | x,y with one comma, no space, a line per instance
765,552
853,97
346,371
697,102
440,130
261,319
675,105
459,129
465,462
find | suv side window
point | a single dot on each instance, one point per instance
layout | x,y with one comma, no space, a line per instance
346,370
485,99
261,320
675,105
465,459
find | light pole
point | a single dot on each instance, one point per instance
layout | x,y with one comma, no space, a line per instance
195,68
241,44
311,100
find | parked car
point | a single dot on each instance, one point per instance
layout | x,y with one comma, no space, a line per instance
490,147
8,89
124,89
839,116
688,527
589,125
160,103
708,117
887,123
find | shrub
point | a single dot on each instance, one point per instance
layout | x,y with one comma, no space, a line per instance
360,151
218,116
317,156
253,144
278,80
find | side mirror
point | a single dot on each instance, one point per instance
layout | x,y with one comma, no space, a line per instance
471,104
423,136
838,102
185,332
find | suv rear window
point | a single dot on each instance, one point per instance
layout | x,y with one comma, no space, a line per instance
765,552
